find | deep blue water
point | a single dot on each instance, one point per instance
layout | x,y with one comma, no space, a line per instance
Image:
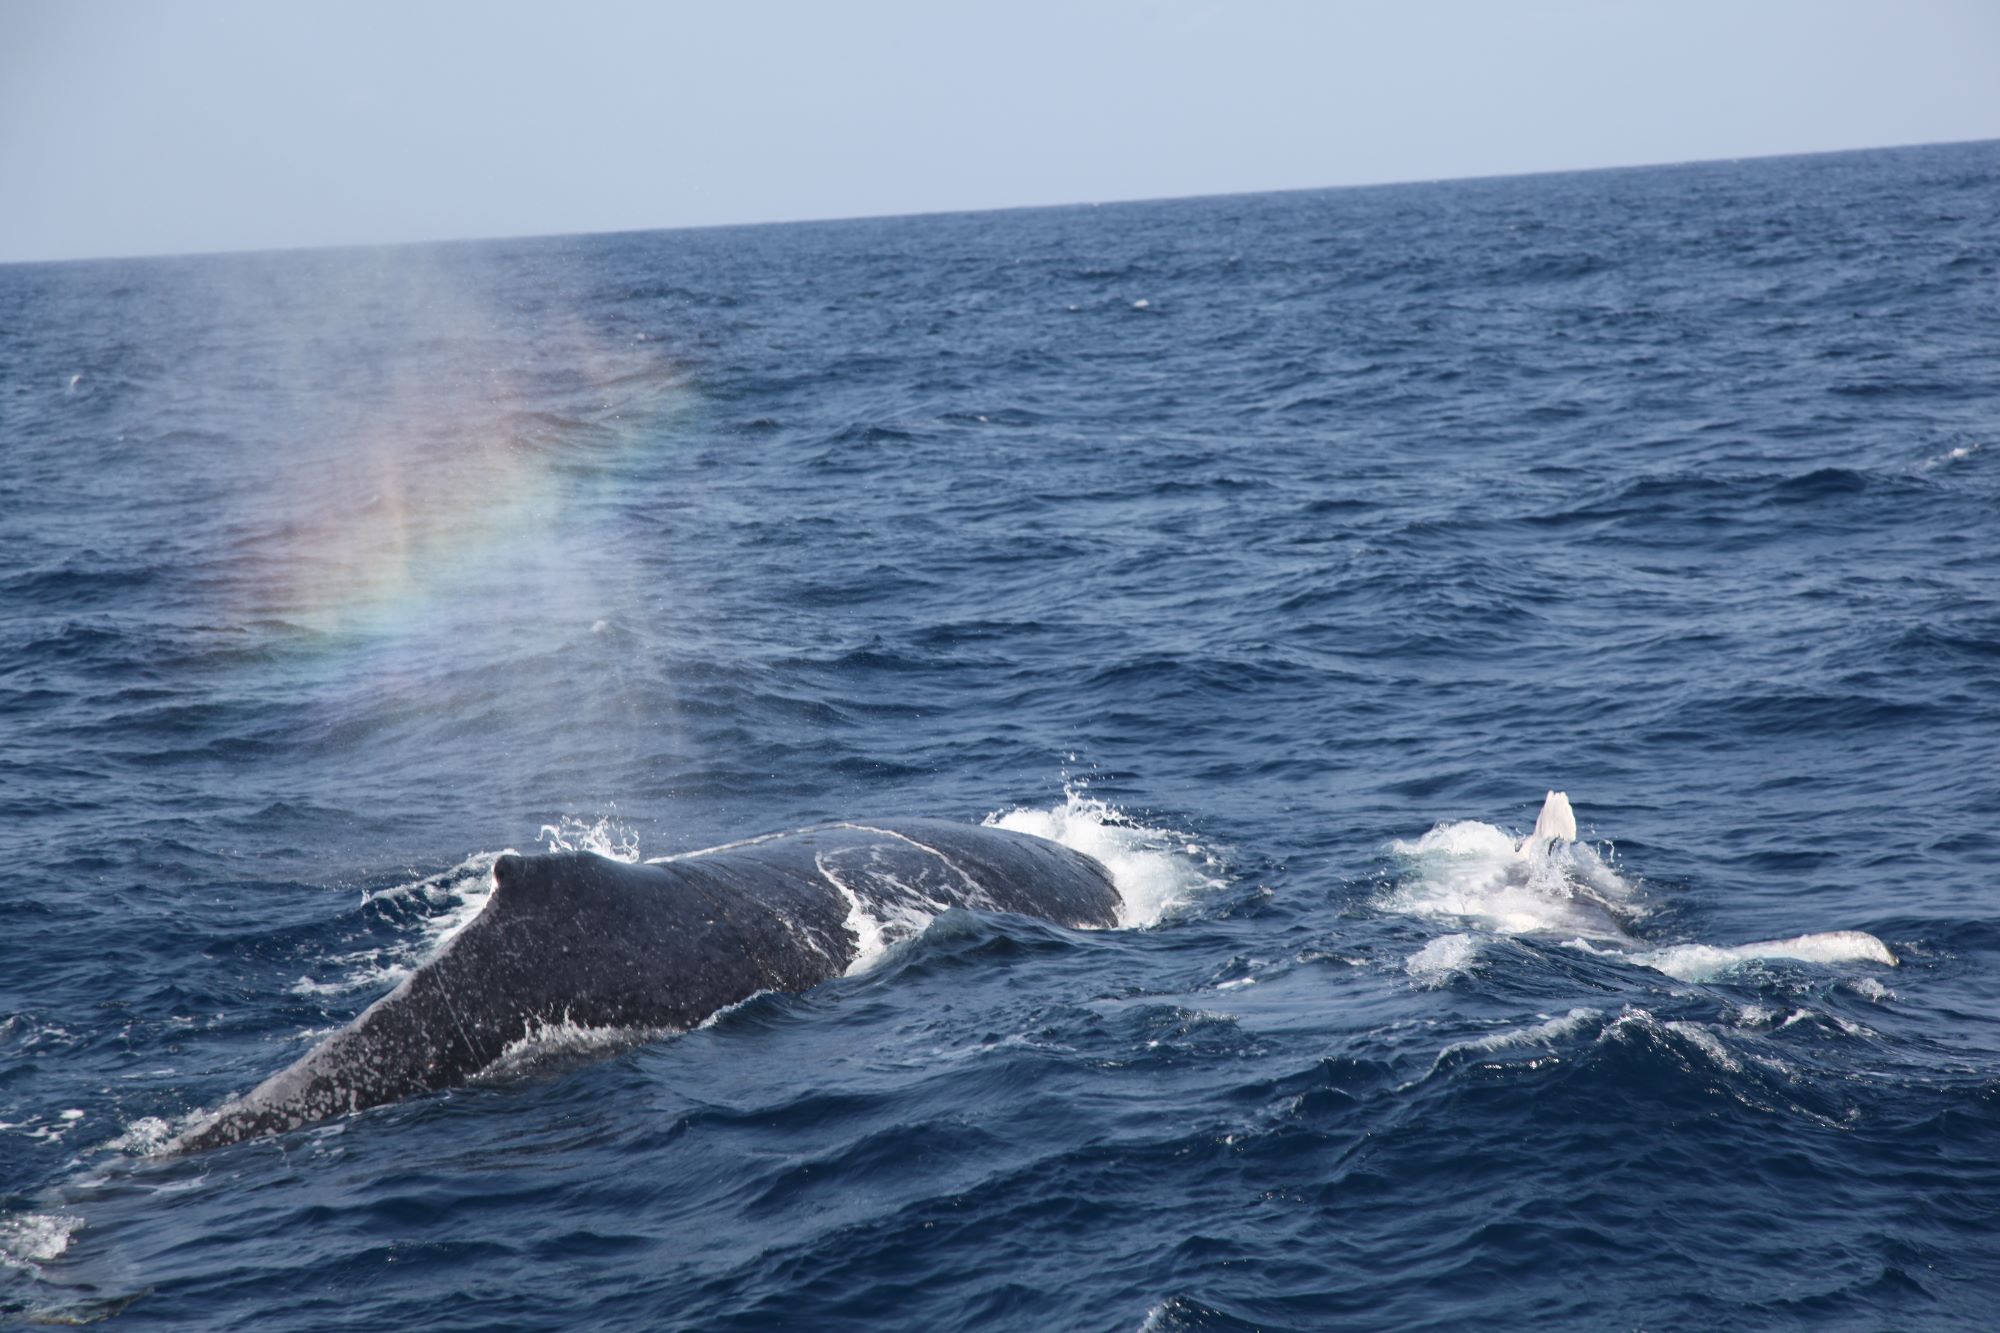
1287,547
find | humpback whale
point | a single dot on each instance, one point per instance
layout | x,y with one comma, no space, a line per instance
660,947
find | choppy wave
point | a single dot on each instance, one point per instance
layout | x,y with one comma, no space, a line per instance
325,569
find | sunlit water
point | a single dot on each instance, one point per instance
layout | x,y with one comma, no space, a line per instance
1283,551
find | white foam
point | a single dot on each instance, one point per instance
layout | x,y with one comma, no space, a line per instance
557,1039
1702,962
1546,884
1549,1031
147,1135
28,1240
1708,1043
1473,872
871,938
1950,456
905,916
1545,1033
1701,1036
1154,870
1442,959
364,976
1870,988
729,1009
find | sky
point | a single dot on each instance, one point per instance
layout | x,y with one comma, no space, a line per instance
130,128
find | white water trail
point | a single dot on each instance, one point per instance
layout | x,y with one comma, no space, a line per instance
1704,962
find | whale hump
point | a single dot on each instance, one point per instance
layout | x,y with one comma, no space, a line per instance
1557,820
638,950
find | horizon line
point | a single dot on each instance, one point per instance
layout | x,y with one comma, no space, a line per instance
836,219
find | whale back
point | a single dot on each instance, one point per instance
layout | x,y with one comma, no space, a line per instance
1018,872
662,946
574,938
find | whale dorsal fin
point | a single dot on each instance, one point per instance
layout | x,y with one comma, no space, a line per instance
1557,820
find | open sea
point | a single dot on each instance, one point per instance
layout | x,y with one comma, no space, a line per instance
1282,550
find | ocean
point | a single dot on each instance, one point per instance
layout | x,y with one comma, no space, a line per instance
1282,550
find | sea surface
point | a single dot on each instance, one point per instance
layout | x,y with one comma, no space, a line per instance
1284,550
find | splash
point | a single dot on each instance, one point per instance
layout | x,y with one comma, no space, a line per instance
449,900
1156,870
1956,454
1468,872
1544,1033
608,836
149,1134
29,1240
1474,873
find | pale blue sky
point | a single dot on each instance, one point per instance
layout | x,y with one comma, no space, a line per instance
147,128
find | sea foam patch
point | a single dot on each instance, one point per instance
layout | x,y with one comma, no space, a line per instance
1442,959
29,1240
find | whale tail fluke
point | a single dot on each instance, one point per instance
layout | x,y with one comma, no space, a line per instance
1557,820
